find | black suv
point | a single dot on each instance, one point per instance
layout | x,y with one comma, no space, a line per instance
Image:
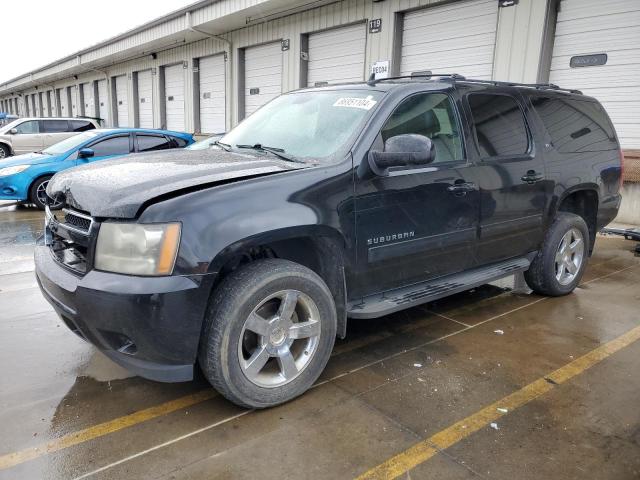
349,201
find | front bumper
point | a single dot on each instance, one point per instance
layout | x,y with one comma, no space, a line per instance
149,325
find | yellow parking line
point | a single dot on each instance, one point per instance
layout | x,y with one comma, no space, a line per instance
74,438
424,450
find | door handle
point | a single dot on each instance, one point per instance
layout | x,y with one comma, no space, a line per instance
462,188
532,177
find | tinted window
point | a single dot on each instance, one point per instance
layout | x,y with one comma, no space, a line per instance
430,115
55,126
148,143
574,125
28,127
80,125
500,125
111,146
179,142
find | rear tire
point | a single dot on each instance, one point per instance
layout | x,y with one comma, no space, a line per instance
268,334
5,151
560,263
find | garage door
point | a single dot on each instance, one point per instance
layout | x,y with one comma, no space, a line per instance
455,38
145,99
89,101
34,106
75,110
43,103
262,75
122,101
103,102
337,55
589,27
212,94
174,96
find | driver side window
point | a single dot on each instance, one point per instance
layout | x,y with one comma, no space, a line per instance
430,115
31,126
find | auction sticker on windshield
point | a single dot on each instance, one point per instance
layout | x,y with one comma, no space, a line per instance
364,103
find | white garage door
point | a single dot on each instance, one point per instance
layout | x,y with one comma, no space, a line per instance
63,102
43,102
103,102
262,75
455,38
145,99
174,96
122,101
212,94
337,55
587,27
89,101
75,110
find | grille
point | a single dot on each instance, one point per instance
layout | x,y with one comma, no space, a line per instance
78,221
70,254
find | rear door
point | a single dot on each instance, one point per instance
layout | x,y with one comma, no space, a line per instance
417,223
54,131
150,143
27,138
510,174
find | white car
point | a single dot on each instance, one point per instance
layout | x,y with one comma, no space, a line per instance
27,135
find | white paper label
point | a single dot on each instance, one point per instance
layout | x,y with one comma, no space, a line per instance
380,69
364,103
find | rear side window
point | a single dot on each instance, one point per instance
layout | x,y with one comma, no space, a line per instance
55,126
111,146
80,125
149,143
575,125
500,126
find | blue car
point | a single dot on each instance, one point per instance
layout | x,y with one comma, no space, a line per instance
24,178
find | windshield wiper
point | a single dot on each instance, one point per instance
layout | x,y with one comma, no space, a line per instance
225,146
41,152
278,152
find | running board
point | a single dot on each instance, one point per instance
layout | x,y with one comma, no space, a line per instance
419,293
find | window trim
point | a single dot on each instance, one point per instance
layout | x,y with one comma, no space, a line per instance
528,155
434,166
102,139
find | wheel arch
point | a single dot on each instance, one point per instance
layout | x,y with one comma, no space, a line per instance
582,200
317,247
8,145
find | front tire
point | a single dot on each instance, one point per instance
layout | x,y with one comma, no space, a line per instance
268,333
5,151
560,263
38,194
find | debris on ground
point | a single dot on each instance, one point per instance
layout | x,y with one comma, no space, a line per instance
499,332
417,365
503,410
494,425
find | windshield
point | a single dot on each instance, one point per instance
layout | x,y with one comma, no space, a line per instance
204,144
69,143
306,124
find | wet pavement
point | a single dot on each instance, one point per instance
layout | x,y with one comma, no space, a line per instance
66,411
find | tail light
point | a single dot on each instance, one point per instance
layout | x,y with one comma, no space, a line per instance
621,168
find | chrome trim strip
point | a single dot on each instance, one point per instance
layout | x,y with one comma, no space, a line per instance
66,226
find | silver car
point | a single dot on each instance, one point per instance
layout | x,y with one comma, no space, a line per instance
27,135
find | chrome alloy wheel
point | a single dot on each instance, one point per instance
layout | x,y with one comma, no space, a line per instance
279,338
569,256
41,193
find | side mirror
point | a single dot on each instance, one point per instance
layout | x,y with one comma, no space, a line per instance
85,153
13,131
405,151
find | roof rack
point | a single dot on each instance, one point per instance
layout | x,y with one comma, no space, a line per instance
457,77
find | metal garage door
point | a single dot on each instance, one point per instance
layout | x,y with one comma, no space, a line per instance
75,110
174,96
34,106
89,101
145,99
588,27
337,55
43,104
122,101
103,102
456,38
262,75
212,94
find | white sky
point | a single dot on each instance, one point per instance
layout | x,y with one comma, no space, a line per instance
37,32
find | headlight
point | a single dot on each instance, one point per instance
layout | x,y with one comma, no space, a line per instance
137,249
6,171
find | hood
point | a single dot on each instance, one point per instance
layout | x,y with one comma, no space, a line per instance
28,159
118,188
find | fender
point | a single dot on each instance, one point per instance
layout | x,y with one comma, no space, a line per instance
557,200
